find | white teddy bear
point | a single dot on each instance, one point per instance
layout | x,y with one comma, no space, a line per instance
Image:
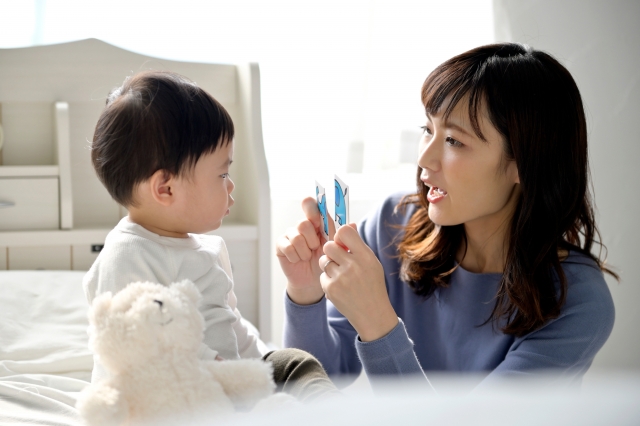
148,336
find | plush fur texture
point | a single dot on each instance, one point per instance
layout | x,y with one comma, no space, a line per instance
147,337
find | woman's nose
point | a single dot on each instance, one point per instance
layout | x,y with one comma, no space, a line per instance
429,155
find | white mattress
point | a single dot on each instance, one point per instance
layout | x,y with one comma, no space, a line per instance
44,354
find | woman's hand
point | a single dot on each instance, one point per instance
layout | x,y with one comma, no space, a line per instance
298,252
354,282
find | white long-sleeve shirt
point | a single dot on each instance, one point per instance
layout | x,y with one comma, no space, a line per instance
132,253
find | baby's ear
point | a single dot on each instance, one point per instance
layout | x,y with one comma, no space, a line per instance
100,307
189,289
161,185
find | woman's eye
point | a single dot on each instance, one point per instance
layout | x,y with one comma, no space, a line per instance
452,142
426,130
224,176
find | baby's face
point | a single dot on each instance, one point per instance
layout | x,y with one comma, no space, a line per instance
206,195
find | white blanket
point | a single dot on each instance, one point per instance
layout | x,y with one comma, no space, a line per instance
44,355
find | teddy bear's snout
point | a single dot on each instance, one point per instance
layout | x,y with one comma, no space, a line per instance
159,302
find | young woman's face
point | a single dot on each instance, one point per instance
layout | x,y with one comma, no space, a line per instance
471,182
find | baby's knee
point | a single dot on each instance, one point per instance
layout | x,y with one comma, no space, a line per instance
290,356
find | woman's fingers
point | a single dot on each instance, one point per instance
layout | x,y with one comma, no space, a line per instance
284,248
310,234
325,263
346,244
348,237
298,243
332,228
311,212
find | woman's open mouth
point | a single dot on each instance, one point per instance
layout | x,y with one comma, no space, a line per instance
436,194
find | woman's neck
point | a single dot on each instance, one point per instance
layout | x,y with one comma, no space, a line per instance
487,240
485,249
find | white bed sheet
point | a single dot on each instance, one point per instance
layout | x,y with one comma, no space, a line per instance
44,356
45,362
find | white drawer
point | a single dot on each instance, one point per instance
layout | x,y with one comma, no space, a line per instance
34,203
47,257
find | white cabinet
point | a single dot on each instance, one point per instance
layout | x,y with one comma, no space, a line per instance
29,203
35,176
50,100
55,257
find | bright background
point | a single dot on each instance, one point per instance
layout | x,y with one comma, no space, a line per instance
333,72
341,92
340,79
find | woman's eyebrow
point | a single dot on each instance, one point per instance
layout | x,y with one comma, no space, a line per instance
452,125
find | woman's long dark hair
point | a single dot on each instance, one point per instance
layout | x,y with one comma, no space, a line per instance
534,103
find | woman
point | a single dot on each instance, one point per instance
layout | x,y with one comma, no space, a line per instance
488,267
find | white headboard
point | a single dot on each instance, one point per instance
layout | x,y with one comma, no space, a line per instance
55,214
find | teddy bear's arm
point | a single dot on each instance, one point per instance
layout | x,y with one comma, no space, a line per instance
245,381
102,405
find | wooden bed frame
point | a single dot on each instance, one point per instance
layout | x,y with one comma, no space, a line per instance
55,214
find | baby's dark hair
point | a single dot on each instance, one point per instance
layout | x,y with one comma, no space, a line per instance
155,121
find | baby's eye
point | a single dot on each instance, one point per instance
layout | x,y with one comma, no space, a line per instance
224,175
452,142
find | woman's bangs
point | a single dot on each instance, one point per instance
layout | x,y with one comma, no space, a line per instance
450,83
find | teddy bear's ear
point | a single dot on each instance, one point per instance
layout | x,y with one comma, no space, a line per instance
100,306
189,289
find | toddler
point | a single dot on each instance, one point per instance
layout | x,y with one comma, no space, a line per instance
162,148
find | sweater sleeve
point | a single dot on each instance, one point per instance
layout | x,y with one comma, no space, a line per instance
390,355
323,332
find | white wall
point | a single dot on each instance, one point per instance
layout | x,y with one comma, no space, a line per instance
599,42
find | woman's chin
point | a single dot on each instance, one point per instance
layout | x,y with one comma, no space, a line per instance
439,218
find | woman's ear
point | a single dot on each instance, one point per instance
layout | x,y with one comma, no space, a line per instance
161,184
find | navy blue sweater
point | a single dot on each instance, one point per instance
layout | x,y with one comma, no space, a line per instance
444,333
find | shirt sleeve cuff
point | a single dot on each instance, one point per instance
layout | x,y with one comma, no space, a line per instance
303,323
291,304
390,355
